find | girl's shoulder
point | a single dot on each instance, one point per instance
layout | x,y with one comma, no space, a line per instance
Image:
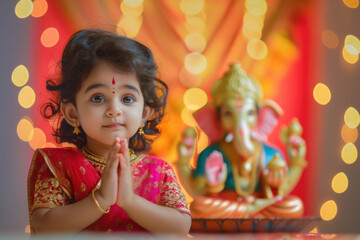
63,154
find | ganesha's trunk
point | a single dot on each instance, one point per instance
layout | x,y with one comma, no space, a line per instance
243,142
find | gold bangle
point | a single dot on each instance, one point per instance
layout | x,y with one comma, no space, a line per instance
97,203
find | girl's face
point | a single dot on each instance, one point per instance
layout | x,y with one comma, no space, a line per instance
109,104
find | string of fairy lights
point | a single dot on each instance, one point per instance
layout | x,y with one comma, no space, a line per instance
195,64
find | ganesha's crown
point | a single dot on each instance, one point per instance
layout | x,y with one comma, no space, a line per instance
235,83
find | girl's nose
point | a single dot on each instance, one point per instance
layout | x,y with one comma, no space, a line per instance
113,110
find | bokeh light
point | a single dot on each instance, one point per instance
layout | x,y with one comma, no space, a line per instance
130,25
191,7
330,39
257,49
256,7
349,57
195,62
132,12
352,44
322,94
133,3
187,117
340,183
349,134
252,30
20,76
188,79
26,97
49,37
351,3
195,98
352,117
349,153
25,129
195,42
40,8
23,8
328,210
38,140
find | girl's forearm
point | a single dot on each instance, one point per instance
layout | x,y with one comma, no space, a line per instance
70,218
156,218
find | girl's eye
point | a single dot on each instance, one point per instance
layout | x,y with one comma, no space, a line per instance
97,99
128,99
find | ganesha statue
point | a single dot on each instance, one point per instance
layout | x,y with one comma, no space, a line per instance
240,174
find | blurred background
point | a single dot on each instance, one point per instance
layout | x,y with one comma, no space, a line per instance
304,54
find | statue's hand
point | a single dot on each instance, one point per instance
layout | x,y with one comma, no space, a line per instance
186,146
275,177
296,148
215,170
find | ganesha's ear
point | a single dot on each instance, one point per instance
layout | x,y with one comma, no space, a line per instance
208,121
269,113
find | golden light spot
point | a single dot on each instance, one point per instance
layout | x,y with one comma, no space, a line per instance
38,140
195,42
330,39
352,44
351,3
257,49
348,57
248,17
130,25
194,24
322,94
131,11
256,7
191,7
49,37
328,210
187,117
314,230
20,76
195,98
134,3
340,183
352,117
40,8
349,134
26,97
188,79
195,62
252,30
349,153
25,129
23,8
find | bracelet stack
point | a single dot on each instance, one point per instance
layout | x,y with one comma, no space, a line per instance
97,203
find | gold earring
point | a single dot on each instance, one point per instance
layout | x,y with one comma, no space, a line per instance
76,130
141,131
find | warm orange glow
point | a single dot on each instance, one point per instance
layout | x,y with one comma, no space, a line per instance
340,183
40,8
133,3
23,8
352,117
202,142
129,11
49,37
328,210
349,134
38,140
20,76
322,94
351,3
252,30
256,7
188,79
349,153
257,49
195,24
330,39
26,97
130,25
25,129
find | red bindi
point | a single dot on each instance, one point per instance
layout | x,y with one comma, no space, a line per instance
113,83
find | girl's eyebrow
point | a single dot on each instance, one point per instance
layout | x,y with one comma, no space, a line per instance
97,85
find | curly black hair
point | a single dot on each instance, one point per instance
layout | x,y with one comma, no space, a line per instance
86,49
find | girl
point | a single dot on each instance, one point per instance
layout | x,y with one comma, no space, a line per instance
109,104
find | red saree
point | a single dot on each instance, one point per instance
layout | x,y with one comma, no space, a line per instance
60,176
